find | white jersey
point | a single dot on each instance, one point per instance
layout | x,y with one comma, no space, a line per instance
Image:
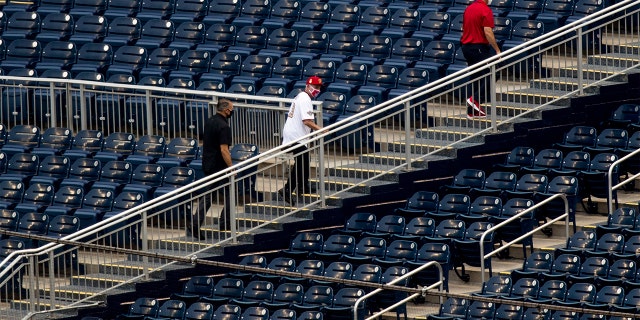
301,109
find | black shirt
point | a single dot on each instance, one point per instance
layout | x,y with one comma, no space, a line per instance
216,132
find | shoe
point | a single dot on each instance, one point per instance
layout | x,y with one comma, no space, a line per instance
475,110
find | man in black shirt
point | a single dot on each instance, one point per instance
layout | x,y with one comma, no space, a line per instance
216,156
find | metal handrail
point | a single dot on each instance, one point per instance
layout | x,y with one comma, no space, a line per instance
620,184
409,274
517,216
317,139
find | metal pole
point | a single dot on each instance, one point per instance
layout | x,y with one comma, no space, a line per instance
144,238
52,103
149,112
492,88
83,109
580,66
407,133
232,207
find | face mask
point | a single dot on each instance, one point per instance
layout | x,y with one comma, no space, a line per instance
313,92
488,2
230,114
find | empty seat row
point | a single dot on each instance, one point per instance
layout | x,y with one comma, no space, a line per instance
256,297
460,308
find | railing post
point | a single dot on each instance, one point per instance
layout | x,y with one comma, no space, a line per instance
407,133
53,116
149,112
144,238
232,207
33,287
580,62
320,172
493,109
83,109
52,280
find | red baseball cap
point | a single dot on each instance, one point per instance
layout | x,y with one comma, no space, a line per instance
314,80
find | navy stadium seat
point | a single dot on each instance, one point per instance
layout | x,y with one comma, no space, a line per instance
56,26
188,35
222,11
123,30
88,8
22,25
583,8
344,17
249,40
192,64
342,47
433,26
22,166
22,53
58,55
170,309
372,21
93,57
156,9
361,137
53,168
199,310
283,14
253,13
89,28
349,77
311,44
374,49
404,21
313,15
281,42
127,60
114,175
32,223
219,37
525,10
122,8
21,138
145,179
189,10
36,198
333,105
160,62
65,201
54,6
437,57
156,33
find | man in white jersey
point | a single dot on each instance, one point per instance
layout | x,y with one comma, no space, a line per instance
300,122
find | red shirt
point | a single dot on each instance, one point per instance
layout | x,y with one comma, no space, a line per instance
477,16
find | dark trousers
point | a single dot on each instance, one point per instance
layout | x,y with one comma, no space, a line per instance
195,222
299,175
475,53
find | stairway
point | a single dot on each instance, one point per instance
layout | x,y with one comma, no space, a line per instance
445,131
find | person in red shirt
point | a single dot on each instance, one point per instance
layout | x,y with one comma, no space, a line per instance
477,40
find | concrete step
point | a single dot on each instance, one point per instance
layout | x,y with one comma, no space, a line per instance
398,158
534,96
424,146
365,171
333,183
45,303
594,71
102,280
72,292
449,133
622,60
632,48
566,84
